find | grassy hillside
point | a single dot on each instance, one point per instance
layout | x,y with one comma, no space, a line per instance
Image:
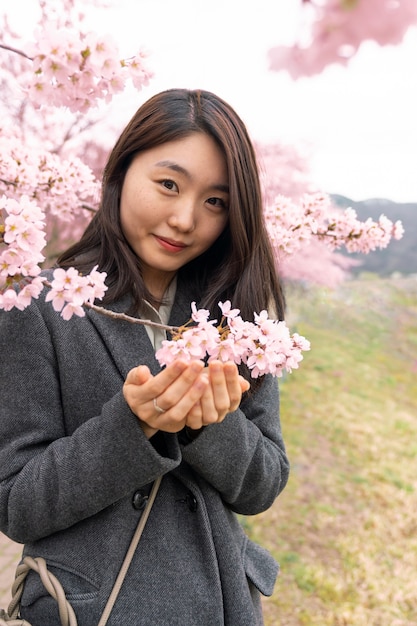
345,528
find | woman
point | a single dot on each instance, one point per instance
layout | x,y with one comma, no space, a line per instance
89,420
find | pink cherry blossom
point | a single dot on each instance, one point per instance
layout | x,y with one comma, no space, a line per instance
68,67
226,350
61,185
97,284
77,69
69,290
11,262
265,346
9,300
57,297
199,315
29,291
172,350
336,29
70,309
226,309
19,260
292,225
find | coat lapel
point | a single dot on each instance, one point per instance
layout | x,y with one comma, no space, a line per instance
127,343
181,309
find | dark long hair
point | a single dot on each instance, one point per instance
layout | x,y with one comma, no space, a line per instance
240,265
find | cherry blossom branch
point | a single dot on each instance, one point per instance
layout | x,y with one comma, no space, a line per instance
8,182
69,286
86,207
265,346
47,178
64,60
15,51
291,225
75,129
128,318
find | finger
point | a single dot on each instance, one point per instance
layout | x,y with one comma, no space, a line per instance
165,378
179,388
140,375
174,390
174,419
234,383
244,384
135,378
134,385
210,413
194,418
219,387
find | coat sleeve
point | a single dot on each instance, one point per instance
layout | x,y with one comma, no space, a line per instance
57,465
244,456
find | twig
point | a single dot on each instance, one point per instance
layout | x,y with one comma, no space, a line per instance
123,316
16,51
8,182
89,208
129,318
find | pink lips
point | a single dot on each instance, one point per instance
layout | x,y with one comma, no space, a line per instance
170,244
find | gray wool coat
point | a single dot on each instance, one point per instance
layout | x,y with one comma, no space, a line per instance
75,470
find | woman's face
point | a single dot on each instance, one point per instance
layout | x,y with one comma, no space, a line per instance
174,205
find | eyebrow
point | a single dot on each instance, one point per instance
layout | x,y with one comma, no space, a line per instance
181,170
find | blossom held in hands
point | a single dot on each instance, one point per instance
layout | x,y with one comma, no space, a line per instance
265,346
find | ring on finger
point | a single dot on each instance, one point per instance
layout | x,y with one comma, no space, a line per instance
157,407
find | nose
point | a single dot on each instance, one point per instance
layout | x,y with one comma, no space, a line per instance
183,217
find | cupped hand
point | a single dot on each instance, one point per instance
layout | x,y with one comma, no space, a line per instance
222,395
175,390
183,394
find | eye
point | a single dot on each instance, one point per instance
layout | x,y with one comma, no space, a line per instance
217,202
169,184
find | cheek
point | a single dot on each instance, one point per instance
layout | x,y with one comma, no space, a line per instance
125,220
124,208
210,234
217,229
135,210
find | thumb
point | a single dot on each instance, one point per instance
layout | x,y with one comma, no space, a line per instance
138,375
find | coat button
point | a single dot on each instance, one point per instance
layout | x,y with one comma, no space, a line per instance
139,500
192,502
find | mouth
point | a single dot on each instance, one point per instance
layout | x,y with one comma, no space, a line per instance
171,244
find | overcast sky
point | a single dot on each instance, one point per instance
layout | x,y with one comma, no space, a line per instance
359,123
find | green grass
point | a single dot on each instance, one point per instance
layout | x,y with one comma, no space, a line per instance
345,528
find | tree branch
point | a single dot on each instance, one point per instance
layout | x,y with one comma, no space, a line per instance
8,182
89,208
128,318
123,316
16,51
